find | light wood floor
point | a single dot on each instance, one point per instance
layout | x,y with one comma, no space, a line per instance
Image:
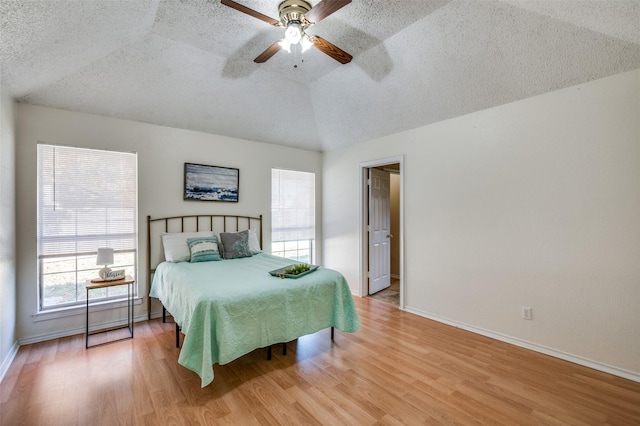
397,369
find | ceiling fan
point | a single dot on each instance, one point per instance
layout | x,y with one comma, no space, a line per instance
296,16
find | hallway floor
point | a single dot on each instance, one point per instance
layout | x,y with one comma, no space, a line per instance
390,294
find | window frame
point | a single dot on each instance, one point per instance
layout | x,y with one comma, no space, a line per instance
76,257
308,236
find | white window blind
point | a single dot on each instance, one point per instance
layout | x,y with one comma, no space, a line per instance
293,214
87,199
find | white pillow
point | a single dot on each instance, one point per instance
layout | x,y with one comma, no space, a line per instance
176,248
254,243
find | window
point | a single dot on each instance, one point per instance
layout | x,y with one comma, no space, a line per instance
87,199
293,219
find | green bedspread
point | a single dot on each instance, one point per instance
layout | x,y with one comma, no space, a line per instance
228,308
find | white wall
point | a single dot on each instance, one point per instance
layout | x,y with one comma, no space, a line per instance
534,203
162,152
8,339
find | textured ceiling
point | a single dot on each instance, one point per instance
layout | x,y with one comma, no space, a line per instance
189,63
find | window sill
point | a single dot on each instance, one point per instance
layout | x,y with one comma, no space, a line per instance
82,309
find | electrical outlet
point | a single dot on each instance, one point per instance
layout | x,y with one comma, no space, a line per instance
526,312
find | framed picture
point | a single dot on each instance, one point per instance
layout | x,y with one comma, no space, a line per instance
211,183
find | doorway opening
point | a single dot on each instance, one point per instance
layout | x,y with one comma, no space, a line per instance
382,230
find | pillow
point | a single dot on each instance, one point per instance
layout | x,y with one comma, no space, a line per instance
175,245
203,249
235,244
220,245
254,243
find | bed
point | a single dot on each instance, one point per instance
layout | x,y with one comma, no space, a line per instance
228,308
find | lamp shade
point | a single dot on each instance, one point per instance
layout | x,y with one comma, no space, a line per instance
105,256
293,33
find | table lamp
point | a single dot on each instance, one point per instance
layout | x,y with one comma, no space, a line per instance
105,257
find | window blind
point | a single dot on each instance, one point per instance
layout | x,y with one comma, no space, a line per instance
87,199
292,205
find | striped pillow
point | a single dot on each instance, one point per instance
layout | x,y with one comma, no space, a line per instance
203,249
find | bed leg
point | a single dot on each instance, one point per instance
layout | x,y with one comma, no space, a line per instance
177,335
284,348
164,314
269,353
332,329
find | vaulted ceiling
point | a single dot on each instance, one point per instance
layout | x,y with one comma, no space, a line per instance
189,63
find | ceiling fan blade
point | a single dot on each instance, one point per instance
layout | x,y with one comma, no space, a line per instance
250,12
331,49
324,9
267,54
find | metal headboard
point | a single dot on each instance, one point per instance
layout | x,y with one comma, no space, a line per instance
190,223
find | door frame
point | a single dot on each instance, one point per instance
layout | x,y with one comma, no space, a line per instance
364,218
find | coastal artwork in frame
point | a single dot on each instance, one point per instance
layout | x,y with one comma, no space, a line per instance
211,183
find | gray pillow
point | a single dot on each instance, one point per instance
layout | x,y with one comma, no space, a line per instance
235,244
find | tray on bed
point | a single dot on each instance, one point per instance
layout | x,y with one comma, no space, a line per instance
280,272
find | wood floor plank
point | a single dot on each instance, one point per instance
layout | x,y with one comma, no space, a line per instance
347,407
311,401
397,369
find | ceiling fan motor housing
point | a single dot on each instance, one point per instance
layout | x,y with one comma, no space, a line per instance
294,11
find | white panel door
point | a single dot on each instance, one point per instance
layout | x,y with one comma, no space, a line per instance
379,231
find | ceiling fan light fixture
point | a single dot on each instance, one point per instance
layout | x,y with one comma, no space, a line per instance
295,17
293,33
306,43
285,45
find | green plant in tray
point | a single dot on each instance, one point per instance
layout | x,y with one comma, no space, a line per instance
297,269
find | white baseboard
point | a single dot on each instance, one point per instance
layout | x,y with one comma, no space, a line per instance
155,315
6,363
616,371
74,331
